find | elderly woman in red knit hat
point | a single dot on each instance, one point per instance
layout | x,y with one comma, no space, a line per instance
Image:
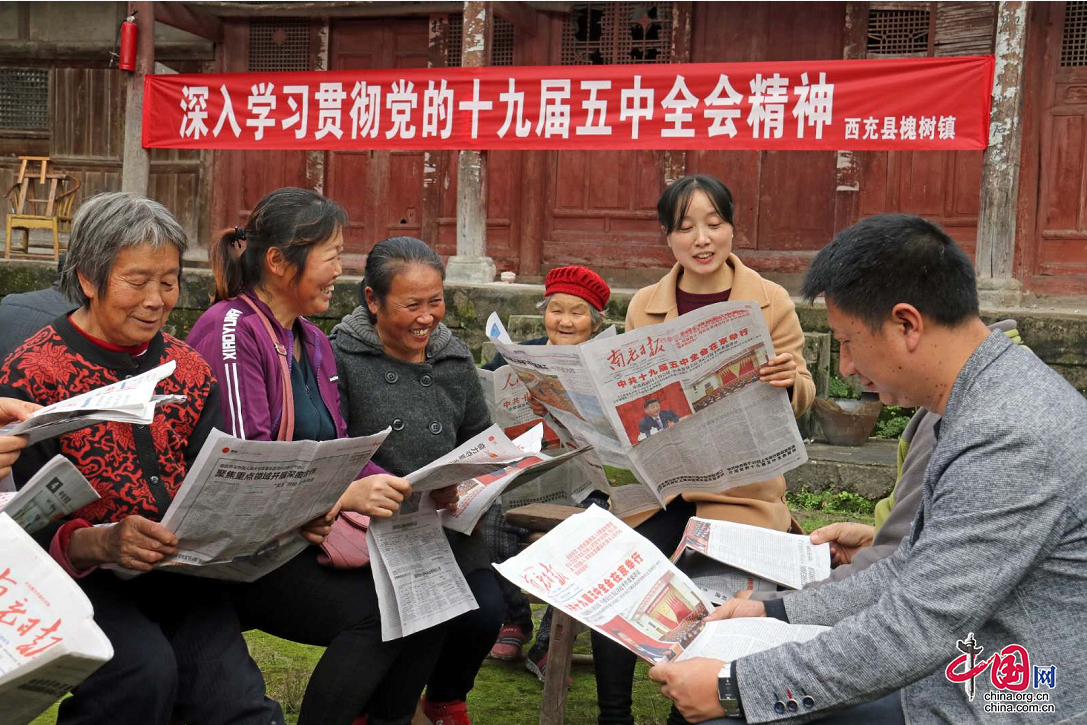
573,305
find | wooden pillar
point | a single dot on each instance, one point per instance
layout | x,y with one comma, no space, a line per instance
674,161
315,160
433,161
847,171
1000,169
136,169
471,263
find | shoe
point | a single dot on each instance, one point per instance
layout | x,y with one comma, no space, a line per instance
511,638
447,713
537,665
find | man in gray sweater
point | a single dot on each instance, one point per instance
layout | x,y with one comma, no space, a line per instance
979,615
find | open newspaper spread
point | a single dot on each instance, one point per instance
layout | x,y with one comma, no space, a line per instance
678,404
237,513
787,559
55,491
49,642
127,401
601,572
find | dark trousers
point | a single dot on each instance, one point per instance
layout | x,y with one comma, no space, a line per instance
470,638
306,602
613,663
177,646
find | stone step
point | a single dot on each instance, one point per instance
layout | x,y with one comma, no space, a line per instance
867,470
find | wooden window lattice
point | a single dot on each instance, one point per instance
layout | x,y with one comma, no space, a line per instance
278,44
501,41
24,99
1074,35
898,32
602,33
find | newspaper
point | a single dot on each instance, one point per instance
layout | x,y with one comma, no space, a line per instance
418,581
507,400
718,581
602,573
50,643
476,495
55,491
128,401
237,513
678,404
787,559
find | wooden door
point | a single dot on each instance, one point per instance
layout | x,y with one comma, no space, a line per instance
1053,242
242,178
382,191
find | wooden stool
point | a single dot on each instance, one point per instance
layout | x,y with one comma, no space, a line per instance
540,518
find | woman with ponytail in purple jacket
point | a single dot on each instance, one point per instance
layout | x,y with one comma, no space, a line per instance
268,275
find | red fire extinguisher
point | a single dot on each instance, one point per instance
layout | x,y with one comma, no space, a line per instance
127,56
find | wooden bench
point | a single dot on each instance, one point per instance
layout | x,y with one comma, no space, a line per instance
539,518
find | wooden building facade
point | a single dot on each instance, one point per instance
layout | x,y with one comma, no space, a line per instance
547,208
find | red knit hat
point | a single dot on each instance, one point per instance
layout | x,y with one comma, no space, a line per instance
580,282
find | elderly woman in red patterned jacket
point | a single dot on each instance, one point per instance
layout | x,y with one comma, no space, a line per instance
177,642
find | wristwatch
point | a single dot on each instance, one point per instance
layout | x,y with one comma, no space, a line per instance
726,692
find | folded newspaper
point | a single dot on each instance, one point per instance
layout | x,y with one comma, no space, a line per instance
790,560
419,583
475,496
602,573
678,404
50,642
237,513
55,491
128,401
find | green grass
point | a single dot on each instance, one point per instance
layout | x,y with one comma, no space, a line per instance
505,693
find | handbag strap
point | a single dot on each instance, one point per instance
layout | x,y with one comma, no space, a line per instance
286,420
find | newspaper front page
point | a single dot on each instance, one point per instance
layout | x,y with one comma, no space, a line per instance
602,573
237,514
787,559
55,491
49,642
679,404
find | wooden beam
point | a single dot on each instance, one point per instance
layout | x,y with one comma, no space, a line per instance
847,172
519,14
326,9
191,20
18,52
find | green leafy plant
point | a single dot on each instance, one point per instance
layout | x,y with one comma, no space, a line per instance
892,421
837,388
831,502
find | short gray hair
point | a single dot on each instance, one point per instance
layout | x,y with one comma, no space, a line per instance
104,225
595,315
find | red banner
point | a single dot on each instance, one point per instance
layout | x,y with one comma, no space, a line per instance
867,105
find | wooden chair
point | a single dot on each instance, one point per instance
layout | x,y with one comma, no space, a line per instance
53,211
540,518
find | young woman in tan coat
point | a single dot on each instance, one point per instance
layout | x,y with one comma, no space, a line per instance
695,214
